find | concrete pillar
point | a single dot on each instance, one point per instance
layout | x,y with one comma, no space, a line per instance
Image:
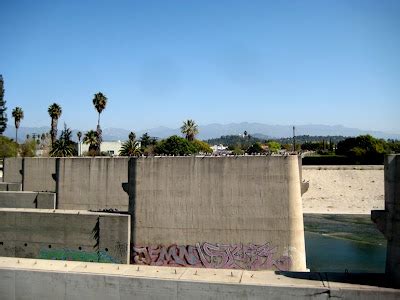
388,221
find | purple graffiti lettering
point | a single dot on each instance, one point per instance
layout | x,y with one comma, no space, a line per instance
207,255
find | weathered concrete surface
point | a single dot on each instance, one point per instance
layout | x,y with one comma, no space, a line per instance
92,183
65,235
218,200
12,169
27,200
388,220
10,186
343,189
41,279
39,174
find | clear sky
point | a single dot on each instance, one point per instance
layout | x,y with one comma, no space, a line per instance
160,62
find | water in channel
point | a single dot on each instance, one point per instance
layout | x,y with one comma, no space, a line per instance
336,243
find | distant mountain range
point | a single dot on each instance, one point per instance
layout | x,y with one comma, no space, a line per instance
259,130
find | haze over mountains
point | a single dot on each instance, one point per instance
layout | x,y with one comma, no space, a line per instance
216,130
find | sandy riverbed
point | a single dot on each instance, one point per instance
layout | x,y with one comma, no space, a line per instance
343,190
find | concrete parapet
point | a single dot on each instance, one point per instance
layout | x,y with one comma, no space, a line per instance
212,206
388,220
12,169
64,235
39,174
41,279
10,186
92,183
27,200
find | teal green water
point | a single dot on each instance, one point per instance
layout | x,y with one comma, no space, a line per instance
336,243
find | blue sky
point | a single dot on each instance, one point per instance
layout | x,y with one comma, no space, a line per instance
161,62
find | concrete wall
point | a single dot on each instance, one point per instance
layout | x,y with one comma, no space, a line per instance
27,200
388,220
39,174
92,183
10,186
40,279
12,171
211,202
64,235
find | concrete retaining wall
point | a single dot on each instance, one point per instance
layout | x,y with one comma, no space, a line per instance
92,183
10,186
27,200
40,279
64,235
12,169
39,174
213,206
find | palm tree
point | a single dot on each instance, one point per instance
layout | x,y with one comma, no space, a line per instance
63,147
99,102
130,148
91,138
54,111
18,115
189,129
79,135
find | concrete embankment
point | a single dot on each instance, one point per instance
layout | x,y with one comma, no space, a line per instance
44,279
343,189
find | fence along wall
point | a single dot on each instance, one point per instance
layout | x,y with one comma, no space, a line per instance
222,212
92,183
64,235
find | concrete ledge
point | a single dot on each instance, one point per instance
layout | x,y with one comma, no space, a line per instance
27,200
64,235
10,186
44,279
344,167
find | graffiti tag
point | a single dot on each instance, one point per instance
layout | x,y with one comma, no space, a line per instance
218,256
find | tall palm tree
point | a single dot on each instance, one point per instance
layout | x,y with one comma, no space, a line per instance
54,111
99,102
18,115
79,135
91,138
189,129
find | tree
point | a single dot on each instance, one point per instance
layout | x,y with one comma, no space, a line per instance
255,148
175,145
132,136
273,146
64,146
3,108
27,149
8,147
54,111
189,129
363,149
201,147
99,102
18,115
79,135
145,140
91,139
130,148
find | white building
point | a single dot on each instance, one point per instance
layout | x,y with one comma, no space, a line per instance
112,148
